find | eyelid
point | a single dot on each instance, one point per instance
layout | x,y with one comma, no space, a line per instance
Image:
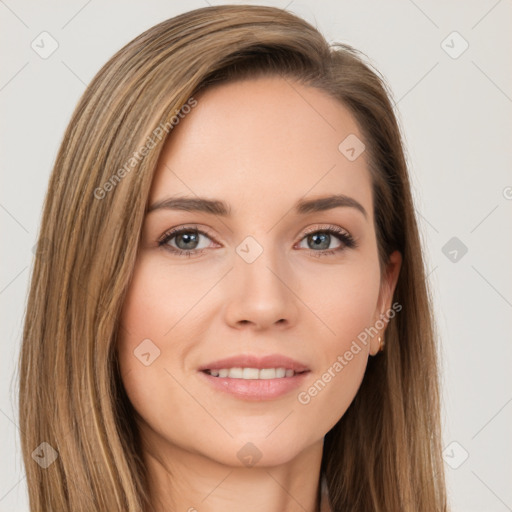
179,229
325,227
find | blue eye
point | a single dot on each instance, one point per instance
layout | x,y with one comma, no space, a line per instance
321,239
185,237
188,240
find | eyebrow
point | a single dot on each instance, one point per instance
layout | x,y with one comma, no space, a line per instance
218,207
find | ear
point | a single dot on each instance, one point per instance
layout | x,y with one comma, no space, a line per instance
387,289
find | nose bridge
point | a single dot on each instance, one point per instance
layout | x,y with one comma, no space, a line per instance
260,291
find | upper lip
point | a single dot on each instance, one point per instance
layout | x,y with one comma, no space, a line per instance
253,361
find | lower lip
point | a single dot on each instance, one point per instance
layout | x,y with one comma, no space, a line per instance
255,389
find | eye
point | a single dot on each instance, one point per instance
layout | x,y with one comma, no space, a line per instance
187,241
319,240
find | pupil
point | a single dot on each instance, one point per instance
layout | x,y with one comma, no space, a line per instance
189,237
318,243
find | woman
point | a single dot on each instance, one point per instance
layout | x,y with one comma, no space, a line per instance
288,362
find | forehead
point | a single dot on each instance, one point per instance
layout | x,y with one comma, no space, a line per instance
258,142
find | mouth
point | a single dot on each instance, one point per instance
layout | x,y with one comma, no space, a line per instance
252,378
254,373
250,366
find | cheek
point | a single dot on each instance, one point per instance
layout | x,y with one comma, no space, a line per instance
150,365
345,300
159,299
346,304
144,320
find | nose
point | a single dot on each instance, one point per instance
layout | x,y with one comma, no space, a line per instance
262,294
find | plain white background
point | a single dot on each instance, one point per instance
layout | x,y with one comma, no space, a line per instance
454,105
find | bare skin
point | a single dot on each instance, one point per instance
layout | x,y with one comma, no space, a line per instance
260,145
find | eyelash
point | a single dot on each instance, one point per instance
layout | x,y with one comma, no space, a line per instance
342,235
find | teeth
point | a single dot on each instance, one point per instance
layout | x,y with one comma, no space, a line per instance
252,373
280,373
236,373
249,373
268,373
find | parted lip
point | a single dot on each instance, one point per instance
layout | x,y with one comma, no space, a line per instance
260,362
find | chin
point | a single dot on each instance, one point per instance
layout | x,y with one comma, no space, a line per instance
258,451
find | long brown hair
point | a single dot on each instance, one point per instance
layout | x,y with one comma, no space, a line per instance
384,454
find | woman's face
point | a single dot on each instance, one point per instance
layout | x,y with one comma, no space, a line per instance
267,278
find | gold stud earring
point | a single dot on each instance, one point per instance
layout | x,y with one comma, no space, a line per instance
381,344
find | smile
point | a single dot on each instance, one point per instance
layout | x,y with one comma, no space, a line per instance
253,373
